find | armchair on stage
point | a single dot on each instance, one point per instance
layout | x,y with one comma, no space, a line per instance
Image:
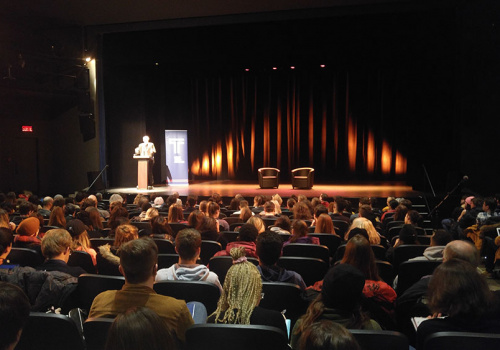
303,178
269,177
143,171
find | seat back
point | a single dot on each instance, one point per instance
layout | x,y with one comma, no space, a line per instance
164,246
233,220
208,250
221,264
89,286
226,336
308,251
176,227
97,242
167,260
410,272
343,227
24,257
82,259
379,251
269,221
142,225
329,240
236,225
204,292
375,340
50,331
230,236
311,269
462,341
281,296
385,271
405,252
96,332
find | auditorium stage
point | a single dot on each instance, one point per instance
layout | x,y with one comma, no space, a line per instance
231,188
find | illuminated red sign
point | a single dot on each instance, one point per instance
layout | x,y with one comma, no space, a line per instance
26,128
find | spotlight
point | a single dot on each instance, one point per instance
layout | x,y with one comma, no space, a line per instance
322,65
275,68
88,59
292,67
157,64
247,69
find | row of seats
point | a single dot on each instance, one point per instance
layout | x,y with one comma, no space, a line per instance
53,331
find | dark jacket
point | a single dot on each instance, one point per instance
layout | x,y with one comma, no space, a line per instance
279,274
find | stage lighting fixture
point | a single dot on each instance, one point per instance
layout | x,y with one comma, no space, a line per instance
292,67
88,59
275,68
247,69
322,65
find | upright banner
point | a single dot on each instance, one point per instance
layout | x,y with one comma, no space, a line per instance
176,153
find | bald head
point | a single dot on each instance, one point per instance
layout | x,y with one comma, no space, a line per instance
461,250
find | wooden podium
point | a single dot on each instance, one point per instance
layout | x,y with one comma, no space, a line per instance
142,172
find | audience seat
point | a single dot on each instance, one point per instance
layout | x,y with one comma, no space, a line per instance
230,236
50,331
142,225
311,269
376,340
385,271
269,221
308,251
206,293
82,259
405,252
410,272
176,227
167,260
235,226
461,341
285,237
96,332
303,178
221,264
281,296
343,227
329,240
97,242
233,220
46,228
89,286
208,250
378,250
164,246
235,336
24,257
269,177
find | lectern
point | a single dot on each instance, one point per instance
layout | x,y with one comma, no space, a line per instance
142,171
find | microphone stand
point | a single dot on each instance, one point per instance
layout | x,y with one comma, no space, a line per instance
93,182
435,210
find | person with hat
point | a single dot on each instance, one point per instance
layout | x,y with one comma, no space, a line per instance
56,248
27,232
339,301
78,231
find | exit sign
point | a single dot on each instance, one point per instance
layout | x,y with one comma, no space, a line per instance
26,128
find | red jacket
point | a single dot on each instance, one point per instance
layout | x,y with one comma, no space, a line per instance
250,249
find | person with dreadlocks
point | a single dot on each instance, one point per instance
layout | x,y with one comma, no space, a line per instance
241,296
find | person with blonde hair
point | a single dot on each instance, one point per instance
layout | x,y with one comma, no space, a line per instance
277,207
241,295
278,199
4,220
150,213
81,242
56,248
258,223
368,226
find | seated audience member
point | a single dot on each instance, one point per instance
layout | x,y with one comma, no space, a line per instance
27,232
269,246
48,202
158,202
290,203
324,224
407,235
282,225
196,219
368,226
109,254
457,292
243,204
6,240
337,208
379,297
161,229
489,207
339,302
14,314
400,212
239,302
234,204
357,231
203,207
299,234
81,242
393,204
362,201
277,207
318,210
258,223
139,328
245,214
434,252
247,236
209,230
115,198
57,218
188,246
327,335
301,211
213,211
175,214
413,218
190,204
139,264
94,226
56,248
387,207
25,210
150,214
324,199
269,210
258,204
5,221
118,216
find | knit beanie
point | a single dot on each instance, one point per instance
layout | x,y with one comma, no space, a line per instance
28,227
343,287
75,227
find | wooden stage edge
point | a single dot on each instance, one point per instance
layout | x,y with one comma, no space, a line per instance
249,190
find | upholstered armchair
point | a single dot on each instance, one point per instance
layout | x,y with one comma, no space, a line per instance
269,177
302,178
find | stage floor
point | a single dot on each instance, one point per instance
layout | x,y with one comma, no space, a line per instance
230,189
